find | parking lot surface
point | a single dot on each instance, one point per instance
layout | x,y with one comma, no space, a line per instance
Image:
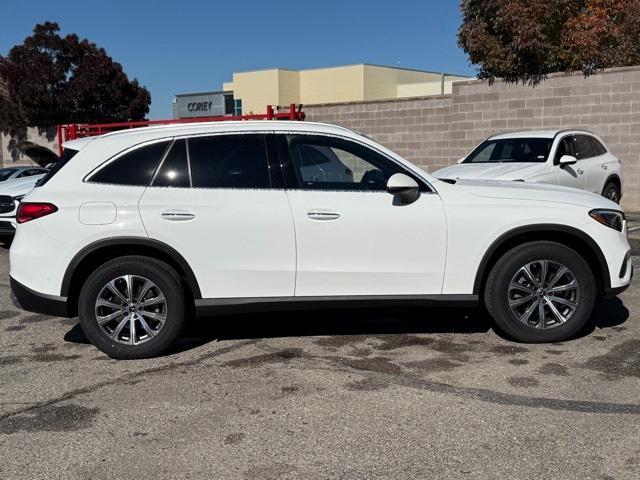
349,394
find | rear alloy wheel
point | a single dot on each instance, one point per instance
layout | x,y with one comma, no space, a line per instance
540,292
132,307
612,192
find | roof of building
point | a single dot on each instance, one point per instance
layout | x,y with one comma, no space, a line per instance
394,67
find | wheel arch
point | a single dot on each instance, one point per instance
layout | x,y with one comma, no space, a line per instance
569,236
101,251
615,178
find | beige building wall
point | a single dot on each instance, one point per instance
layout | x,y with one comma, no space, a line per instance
336,84
288,87
339,84
256,89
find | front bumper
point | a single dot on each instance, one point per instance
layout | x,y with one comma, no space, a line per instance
25,298
625,269
7,228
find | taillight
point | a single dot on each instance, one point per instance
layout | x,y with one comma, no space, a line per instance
31,210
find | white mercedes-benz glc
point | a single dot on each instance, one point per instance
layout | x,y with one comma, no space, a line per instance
133,231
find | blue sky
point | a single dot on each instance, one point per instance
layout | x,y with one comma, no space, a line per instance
178,47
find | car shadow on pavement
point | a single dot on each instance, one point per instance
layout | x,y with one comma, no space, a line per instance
338,322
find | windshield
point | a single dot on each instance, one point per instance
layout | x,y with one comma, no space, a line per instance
6,173
67,155
524,150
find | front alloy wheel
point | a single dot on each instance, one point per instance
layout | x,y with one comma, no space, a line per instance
540,291
543,294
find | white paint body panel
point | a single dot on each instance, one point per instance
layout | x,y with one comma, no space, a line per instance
373,248
240,243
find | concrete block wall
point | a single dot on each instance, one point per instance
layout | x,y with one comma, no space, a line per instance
436,131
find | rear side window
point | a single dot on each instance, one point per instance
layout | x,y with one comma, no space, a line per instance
135,167
174,171
582,147
229,161
598,148
67,154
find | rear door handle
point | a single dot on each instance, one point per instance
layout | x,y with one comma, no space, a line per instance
323,216
604,167
178,215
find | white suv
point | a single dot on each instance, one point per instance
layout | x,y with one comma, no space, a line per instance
136,230
571,158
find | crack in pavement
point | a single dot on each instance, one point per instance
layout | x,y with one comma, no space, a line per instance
96,386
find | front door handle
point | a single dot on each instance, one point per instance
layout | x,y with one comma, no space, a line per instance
178,215
323,216
580,171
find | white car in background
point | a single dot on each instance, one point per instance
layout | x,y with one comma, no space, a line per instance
17,181
571,158
11,173
11,192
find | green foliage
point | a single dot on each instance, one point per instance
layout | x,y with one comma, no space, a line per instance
524,40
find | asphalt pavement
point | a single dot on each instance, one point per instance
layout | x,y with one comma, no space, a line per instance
343,394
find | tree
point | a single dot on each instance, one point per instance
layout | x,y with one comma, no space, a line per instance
524,40
51,79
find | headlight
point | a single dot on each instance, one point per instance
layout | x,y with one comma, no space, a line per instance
610,218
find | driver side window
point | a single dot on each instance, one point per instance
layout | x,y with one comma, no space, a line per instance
327,163
565,147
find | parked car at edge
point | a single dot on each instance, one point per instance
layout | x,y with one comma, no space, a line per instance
11,192
11,173
134,230
571,158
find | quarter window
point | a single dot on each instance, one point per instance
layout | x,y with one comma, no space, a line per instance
324,163
174,171
598,148
582,147
229,161
133,168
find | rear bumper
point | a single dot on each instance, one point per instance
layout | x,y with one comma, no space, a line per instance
25,298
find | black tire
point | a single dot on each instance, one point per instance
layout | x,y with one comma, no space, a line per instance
166,280
612,192
497,292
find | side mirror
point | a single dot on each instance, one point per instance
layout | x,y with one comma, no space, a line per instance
567,160
404,186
